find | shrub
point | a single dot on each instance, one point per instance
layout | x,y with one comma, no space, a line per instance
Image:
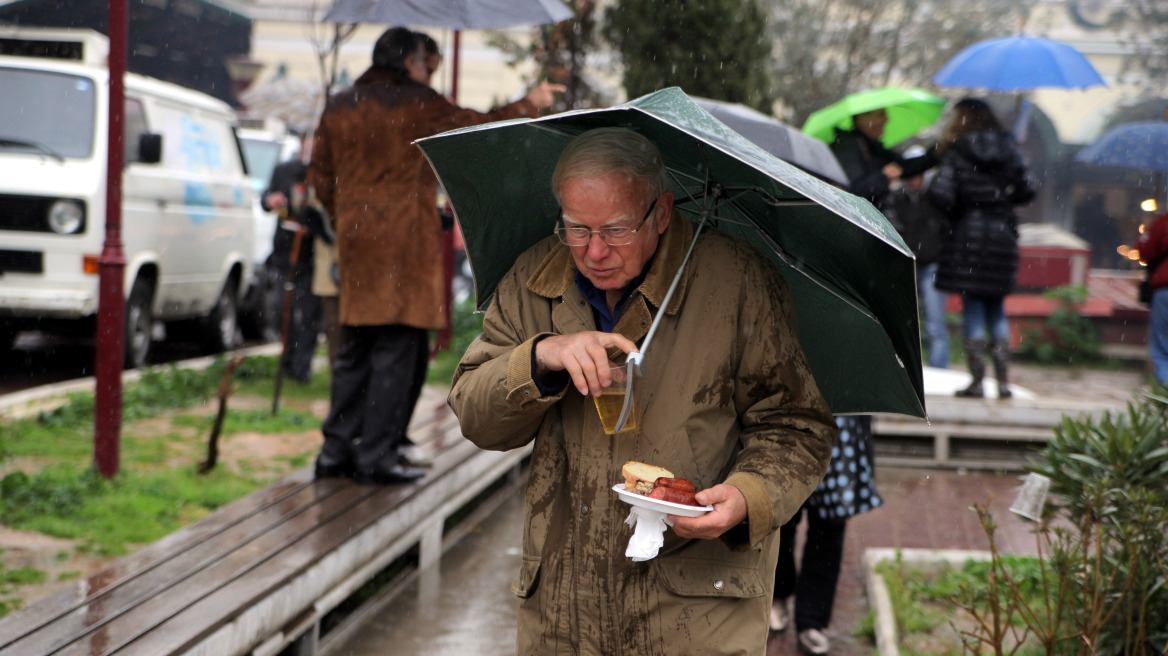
1066,335
1103,545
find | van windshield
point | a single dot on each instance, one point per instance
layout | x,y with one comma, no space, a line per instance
261,157
46,113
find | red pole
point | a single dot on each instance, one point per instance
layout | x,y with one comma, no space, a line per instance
111,308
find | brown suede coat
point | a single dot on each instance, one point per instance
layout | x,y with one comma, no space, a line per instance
382,195
726,397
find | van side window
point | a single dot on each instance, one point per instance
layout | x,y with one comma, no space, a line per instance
135,127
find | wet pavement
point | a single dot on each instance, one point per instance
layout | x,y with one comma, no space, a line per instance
460,607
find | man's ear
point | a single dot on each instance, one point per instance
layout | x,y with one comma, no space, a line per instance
665,209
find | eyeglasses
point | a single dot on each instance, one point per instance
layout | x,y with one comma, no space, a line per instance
611,235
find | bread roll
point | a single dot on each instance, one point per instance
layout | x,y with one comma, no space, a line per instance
639,477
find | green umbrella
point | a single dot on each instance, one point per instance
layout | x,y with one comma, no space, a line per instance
851,275
909,112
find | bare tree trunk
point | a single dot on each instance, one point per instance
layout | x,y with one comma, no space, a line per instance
225,390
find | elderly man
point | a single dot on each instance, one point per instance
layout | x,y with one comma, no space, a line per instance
726,401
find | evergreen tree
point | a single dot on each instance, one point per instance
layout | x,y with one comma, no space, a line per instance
718,49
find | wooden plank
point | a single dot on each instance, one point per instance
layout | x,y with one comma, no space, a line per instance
971,431
196,573
233,580
387,538
87,591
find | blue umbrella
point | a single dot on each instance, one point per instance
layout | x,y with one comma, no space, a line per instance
1140,146
1018,63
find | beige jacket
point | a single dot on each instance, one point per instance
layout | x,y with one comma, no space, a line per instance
726,396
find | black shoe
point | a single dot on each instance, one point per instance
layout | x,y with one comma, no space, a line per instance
393,476
335,470
412,456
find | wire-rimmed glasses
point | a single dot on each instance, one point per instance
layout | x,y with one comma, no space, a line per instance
618,235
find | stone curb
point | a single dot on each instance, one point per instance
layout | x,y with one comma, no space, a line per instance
29,402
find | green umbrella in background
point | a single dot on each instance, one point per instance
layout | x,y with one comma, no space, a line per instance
851,276
909,112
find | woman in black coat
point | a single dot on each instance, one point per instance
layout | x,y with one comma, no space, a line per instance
980,179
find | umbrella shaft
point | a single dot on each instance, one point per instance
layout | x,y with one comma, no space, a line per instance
673,285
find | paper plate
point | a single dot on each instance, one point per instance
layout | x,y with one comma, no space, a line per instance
668,507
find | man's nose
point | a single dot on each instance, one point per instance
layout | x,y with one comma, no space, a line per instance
597,247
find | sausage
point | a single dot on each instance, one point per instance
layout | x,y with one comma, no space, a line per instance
674,496
675,483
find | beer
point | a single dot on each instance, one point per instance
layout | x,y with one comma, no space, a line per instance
609,405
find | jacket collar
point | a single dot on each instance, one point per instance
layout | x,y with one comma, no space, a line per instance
374,75
556,274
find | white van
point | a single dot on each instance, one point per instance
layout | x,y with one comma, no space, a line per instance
187,224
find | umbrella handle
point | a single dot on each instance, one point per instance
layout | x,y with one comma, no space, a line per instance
633,361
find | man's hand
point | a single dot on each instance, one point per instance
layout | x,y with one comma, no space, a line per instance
542,95
583,356
892,171
276,201
729,511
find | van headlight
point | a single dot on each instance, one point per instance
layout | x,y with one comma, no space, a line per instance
66,217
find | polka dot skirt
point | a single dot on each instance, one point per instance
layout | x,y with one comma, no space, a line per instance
849,487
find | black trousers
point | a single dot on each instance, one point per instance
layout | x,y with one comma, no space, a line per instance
376,382
819,569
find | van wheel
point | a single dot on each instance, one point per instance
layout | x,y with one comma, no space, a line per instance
221,333
139,323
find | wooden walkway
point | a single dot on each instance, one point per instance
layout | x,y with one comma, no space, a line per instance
975,433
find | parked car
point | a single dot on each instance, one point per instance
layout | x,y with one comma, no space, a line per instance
187,225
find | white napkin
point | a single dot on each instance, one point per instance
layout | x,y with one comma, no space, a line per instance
648,533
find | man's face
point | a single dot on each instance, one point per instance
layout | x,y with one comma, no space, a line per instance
872,123
613,199
421,66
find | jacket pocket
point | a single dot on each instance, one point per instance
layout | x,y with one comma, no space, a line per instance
527,580
731,575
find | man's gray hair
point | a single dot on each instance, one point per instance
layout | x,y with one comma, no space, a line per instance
612,150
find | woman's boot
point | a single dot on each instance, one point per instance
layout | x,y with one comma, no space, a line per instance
974,352
1000,354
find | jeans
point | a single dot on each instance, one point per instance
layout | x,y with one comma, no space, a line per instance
979,311
1158,335
933,303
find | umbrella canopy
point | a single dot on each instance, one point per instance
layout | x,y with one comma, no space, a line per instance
452,14
909,111
851,275
1141,146
777,138
1018,63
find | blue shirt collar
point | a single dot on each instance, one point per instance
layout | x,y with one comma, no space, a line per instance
597,298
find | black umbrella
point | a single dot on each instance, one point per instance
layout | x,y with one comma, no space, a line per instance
786,142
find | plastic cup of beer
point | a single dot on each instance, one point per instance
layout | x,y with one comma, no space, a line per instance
612,400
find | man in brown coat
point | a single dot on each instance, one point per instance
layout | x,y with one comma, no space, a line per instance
382,196
726,400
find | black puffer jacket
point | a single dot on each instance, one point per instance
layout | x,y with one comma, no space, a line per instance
980,179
